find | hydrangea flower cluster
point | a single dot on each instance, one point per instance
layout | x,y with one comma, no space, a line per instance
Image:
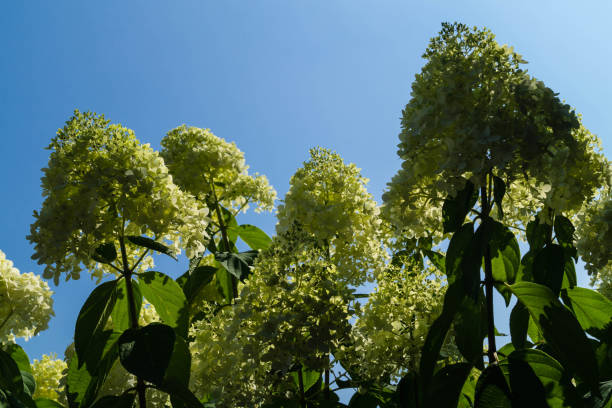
328,201
391,329
198,160
100,179
474,110
48,373
593,238
297,305
26,305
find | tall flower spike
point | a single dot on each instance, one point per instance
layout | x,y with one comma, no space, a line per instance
199,160
26,305
100,180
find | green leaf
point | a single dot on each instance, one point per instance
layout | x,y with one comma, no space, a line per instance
519,323
146,351
593,311
229,221
120,314
605,398
569,274
437,333
366,400
47,403
538,234
198,279
83,384
178,371
470,329
536,379
93,317
492,390
560,329
180,393
564,230
455,209
10,375
19,357
239,265
505,258
254,237
29,384
168,299
437,259
225,284
125,400
309,378
549,267
499,190
457,250
447,384
151,244
105,253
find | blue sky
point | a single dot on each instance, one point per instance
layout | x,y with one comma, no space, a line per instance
277,77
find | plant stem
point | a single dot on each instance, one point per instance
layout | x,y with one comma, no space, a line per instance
301,385
127,275
224,237
492,351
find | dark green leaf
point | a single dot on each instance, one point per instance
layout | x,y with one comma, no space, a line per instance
199,278
560,329
569,274
309,378
10,376
168,299
254,237
19,357
229,221
549,267
29,384
181,394
151,244
499,190
146,351
457,250
93,317
437,259
83,384
564,230
225,284
492,390
470,329
538,234
120,314
105,253
437,333
455,209
447,384
359,400
519,322
505,258
178,371
604,400
593,311
538,380
408,390
239,265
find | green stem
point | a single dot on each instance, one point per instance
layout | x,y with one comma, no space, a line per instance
492,351
127,274
301,385
224,236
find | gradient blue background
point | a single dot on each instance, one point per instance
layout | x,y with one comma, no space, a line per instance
277,77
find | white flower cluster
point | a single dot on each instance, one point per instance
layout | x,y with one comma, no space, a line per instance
328,201
26,305
48,373
198,160
391,329
593,238
100,179
297,305
474,111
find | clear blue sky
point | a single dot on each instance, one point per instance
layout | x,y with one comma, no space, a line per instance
277,77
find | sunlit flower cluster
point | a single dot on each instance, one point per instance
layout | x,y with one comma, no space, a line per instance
593,238
48,372
100,179
391,328
26,305
474,111
328,201
200,161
